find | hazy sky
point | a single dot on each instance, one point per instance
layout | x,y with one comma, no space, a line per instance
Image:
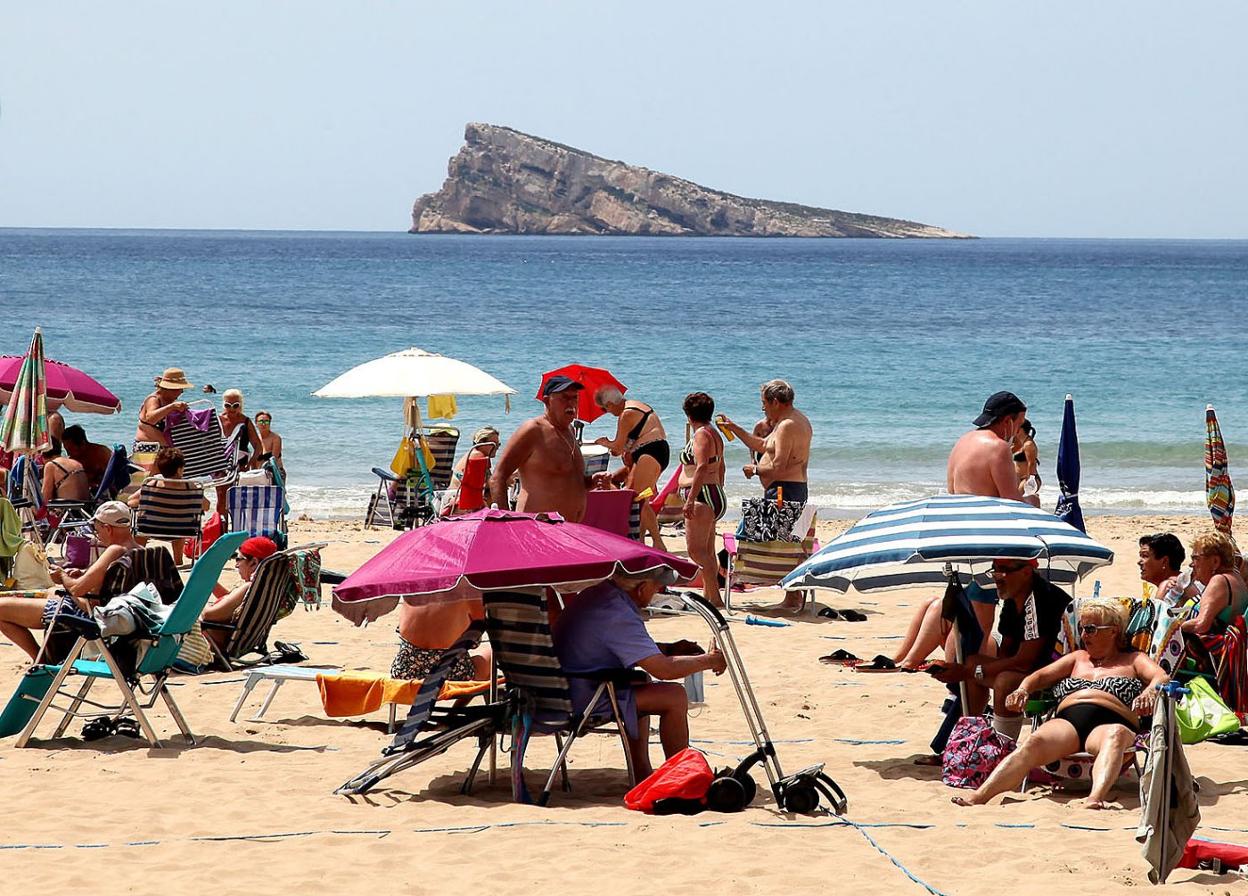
996,118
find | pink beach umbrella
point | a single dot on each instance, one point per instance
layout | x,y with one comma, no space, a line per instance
493,550
66,386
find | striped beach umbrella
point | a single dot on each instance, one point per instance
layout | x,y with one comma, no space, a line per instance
25,425
911,543
1068,508
1219,492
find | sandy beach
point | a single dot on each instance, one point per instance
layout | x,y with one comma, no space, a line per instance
251,807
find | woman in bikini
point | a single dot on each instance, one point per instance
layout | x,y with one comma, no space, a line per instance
151,434
1027,462
641,440
702,487
64,478
1102,690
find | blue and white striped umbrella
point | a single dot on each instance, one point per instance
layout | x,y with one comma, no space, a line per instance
909,544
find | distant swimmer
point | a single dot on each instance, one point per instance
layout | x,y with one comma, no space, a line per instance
981,462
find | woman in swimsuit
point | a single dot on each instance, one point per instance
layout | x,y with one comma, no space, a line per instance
150,435
64,478
1027,462
702,487
237,427
1103,690
641,440
1225,595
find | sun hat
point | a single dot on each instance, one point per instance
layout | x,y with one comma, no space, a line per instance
173,378
113,513
559,384
998,405
258,547
484,434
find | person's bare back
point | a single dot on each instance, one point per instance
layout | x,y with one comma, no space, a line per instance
436,626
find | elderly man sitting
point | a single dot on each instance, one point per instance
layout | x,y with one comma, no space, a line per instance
601,629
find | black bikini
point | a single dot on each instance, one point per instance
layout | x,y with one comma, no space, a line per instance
658,448
1086,717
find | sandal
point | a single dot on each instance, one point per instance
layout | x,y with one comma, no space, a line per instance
880,663
840,657
289,653
127,728
853,616
97,729
829,613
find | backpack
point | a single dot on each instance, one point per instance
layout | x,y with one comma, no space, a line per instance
974,749
679,784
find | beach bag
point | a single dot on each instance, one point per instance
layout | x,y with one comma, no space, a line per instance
78,554
1202,714
974,749
763,520
404,460
30,568
195,654
684,780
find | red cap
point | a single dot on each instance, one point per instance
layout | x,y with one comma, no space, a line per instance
258,547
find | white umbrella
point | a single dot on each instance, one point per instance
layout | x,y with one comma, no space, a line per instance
412,373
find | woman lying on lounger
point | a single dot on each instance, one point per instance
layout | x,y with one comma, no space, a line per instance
1103,690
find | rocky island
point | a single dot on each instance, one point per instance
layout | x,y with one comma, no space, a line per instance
503,181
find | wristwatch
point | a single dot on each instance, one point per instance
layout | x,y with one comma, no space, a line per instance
979,673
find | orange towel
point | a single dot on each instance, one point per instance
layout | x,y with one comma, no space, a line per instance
358,693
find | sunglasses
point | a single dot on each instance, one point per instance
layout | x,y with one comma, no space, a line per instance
1090,629
1011,568
263,422
239,558
233,404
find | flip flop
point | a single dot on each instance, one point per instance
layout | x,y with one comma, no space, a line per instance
127,728
853,616
921,667
880,663
840,657
829,613
289,653
97,729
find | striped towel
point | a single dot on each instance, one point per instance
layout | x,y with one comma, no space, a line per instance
166,512
204,450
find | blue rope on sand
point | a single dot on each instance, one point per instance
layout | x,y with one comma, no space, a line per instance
900,867
854,742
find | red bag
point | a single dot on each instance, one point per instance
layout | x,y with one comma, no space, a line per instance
210,533
686,776
1232,855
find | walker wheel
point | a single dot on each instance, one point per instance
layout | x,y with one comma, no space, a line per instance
801,798
747,782
726,794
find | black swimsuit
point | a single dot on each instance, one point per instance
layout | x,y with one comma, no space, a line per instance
658,448
1086,717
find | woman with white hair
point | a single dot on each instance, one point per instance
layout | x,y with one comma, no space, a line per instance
1102,690
238,428
642,442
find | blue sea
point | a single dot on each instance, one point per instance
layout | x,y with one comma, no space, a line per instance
892,346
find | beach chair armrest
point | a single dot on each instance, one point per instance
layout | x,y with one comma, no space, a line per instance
617,677
386,475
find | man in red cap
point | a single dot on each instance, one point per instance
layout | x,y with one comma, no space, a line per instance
545,452
226,603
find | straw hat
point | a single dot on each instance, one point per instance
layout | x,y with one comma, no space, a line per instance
172,378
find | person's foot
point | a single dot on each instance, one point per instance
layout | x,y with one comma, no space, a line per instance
966,801
1100,805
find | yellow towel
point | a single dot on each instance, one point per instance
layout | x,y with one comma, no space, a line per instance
442,407
359,693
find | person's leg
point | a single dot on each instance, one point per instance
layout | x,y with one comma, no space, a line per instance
924,635
700,539
986,614
19,616
176,547
668,701
1003,720
1109,744
645,475
482,659
1052,740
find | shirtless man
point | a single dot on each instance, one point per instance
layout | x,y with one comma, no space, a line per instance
94,458
426,631
785,450
981,462
544,451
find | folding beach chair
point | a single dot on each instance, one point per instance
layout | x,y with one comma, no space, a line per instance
248,632
147,677
767,562
75,515
430,730
259,510
537,688
404,502
25,493
169,514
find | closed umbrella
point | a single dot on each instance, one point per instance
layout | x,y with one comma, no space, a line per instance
593,379
25,425
457,559
67,387
1068,508
1219,492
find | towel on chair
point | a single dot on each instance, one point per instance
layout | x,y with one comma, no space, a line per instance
359,693
442,407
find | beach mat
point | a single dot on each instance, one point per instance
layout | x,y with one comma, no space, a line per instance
25,700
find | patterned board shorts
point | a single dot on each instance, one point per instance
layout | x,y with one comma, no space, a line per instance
417,662
63,605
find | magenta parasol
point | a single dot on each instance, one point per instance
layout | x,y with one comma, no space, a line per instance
492,550
67,386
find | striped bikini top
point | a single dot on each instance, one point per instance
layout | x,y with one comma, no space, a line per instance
1125,689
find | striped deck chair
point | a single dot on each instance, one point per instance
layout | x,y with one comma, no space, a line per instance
766,562
248,632
259,510
209,455
430,730
169,514
405,502
537,687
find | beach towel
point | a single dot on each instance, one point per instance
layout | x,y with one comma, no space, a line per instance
305,583
357,694
763,520
1167,780
442,407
